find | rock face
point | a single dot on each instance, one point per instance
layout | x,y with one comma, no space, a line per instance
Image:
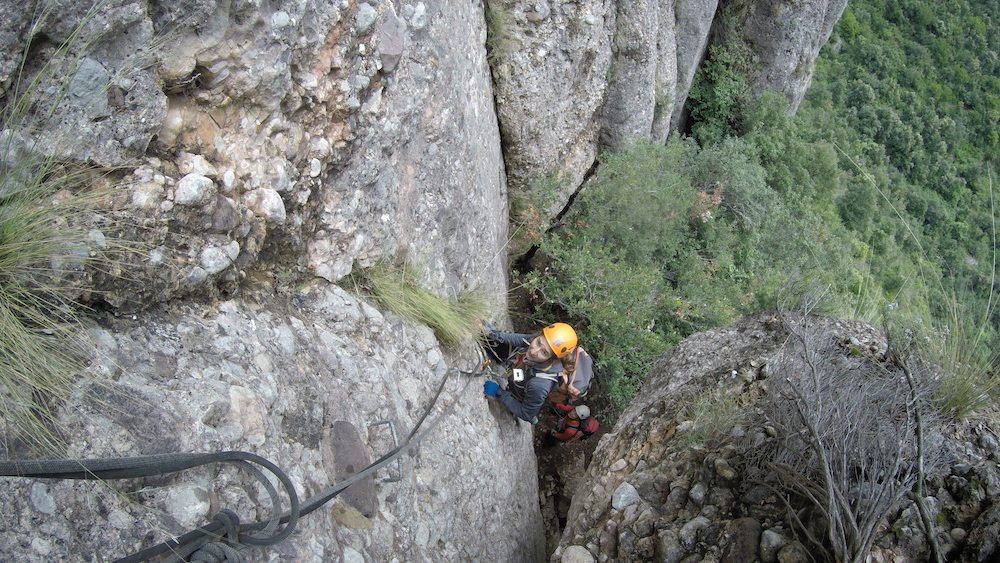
261,150
785,39
310,383
576,78
551,66
694,22
321,133
654,492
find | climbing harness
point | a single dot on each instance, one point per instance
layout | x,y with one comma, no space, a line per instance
219,540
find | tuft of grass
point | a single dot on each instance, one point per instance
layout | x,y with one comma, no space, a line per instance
44,250
713,414
48,210
455,322
967,352
500,41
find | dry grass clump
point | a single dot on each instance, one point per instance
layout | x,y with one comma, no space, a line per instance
395,288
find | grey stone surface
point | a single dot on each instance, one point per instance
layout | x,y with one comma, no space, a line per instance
742,539
713,509
785,38
693,22
628,111
241,375
266,203
624,496
194,189
100,88
550,86
576,554
771,543
793,552
382,143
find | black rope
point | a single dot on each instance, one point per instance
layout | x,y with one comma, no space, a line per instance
207,542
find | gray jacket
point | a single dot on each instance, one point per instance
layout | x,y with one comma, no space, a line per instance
539,379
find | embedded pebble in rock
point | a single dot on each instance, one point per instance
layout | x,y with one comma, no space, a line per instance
119,520
98,239
41,546
195,277
188,504
189,163
689,532
365,18
538,12
41,499
618,466
577,554
352,555
419,18
624,496
390,41
771,543
724,470
215,259
697,494
794,552
668,547
266,203
228,180
246,410
280,19
194,189
147,195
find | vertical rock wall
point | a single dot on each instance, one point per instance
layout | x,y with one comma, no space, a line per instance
576,78
321,133
785,39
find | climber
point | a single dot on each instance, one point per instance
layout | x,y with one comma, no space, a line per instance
577,424
539,362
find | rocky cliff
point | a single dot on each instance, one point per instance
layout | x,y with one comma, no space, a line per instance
257,153
575,78
661,488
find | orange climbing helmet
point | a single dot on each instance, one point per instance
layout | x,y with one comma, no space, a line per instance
561,338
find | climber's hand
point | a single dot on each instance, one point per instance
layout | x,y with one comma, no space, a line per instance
491,388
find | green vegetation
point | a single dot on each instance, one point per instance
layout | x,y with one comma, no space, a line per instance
500,40
43,248
712,416
878,190
48,243
455,322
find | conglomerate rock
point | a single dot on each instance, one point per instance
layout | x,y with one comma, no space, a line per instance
651,493
310,384
324,133
551,69
785,38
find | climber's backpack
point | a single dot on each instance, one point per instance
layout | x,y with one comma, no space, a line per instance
589,427
574,386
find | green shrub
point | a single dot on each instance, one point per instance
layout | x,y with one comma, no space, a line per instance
455,322
720,91
967,351
45,248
